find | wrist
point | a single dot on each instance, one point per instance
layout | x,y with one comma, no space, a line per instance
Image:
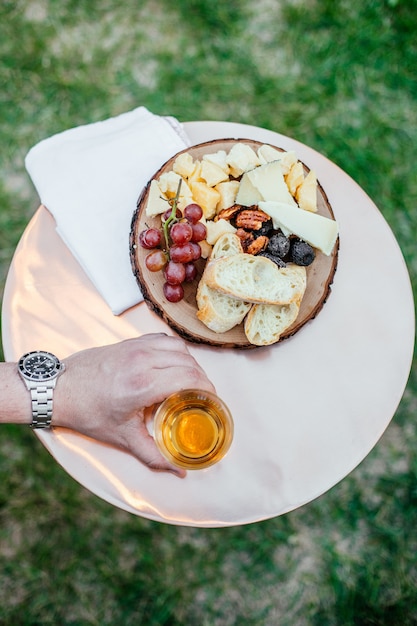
15,406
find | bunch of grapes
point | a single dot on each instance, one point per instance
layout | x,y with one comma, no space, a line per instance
175,248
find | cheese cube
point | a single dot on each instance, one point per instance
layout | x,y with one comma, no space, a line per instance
212,173
218,158
267,154
195,176
168,183
184,201
184,165
241,158
319,231
295,177
207,197
206,249
287,160
228,191
157,201
216,229
269,181
306,194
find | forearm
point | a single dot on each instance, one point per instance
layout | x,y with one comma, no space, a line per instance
15,406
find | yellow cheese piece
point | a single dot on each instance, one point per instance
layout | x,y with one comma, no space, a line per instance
157,201
218,158
184,165
212,173
267,153
227,191
269,181
216,229
168,184
295,177
195,176
306,194
241,158
286,160
207,197
319,231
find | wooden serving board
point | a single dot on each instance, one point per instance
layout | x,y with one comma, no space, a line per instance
181,316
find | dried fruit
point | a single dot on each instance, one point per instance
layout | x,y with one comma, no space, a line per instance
301,252
258,245
276,259
279,245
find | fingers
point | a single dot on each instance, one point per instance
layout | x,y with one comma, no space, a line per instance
144,448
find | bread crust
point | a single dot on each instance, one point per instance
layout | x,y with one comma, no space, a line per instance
255,279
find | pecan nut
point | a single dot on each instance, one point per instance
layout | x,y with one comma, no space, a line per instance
258,245
246,238
251,219
227,214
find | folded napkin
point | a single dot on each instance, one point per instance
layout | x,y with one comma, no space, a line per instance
90,178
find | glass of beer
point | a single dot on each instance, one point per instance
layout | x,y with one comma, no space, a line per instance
193,429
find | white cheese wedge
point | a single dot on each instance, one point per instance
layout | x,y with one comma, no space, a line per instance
319,231
247,194
269,181
157,201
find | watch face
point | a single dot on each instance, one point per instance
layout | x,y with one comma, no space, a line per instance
39,365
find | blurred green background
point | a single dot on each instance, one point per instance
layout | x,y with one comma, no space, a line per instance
339,76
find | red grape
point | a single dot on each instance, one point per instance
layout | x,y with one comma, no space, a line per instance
174,273
167,215
155,260
150,238
173,293
196,251
190,272
183,254
181,233
193,212
199,232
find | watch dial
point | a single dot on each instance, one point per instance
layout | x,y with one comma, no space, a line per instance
39,365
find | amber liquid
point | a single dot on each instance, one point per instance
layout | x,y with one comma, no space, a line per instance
193,429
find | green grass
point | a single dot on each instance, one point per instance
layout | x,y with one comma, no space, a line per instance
337,75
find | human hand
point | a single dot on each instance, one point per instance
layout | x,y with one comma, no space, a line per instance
105,391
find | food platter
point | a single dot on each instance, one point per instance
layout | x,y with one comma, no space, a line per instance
181,316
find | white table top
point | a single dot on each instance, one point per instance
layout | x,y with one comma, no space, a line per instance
306,411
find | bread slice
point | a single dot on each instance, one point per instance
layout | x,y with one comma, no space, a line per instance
265,323
227,244
255,279
216,310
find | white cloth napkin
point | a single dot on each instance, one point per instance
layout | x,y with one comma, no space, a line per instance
90,178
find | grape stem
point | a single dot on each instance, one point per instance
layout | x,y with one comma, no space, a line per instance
172,218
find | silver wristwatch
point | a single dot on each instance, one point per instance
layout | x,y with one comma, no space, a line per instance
39,371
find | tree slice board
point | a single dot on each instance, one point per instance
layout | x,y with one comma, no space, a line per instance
181,316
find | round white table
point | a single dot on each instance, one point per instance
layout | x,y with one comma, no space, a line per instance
306,411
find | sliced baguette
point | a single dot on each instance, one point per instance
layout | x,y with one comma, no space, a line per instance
216,310
227,244
255,279
265,323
